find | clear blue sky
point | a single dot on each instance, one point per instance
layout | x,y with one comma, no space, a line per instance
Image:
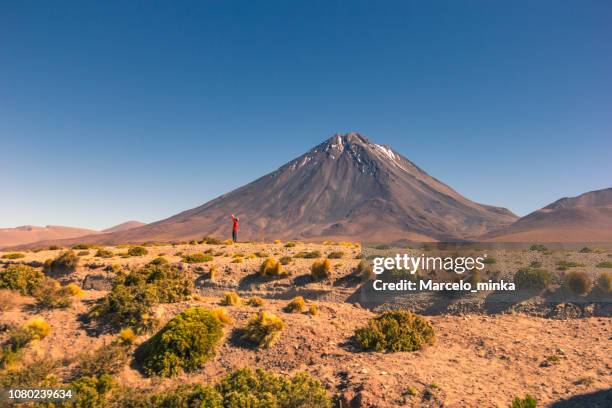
138,110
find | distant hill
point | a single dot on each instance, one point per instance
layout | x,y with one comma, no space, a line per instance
30,233
585,218
345,188
128,225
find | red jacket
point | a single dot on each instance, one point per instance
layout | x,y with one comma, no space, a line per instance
235,221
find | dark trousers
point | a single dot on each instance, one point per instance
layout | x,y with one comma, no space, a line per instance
234,235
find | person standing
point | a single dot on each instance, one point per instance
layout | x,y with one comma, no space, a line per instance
235,228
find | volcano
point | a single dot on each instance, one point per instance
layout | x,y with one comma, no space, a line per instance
345,188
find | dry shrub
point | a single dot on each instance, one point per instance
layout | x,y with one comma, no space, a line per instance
65,263
395,331
285,260
320,269
578,282
51,295
263,330
335,255
604,282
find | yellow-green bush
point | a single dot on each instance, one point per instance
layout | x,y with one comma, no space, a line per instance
290,244
335,255
104,253
308,255
22,278
82,246
160,260
65,263
248,388
263,329
320,269
92,392
137,251
395,331
133,295
184,344
197,258
13,255
271,268
296,305
185,395
230,299
532,278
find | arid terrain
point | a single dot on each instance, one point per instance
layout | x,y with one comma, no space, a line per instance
478,358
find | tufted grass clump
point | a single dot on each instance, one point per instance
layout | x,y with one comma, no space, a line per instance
13,255
320,269
527,402
259,388
184,344
271,268
104,253
296,305
137,251
395,331
290,244
604,282
222,315
263,330
197,258
65,263
532,278
21,278
132,297
285,260
82,246
230,299
313,310
256,301
578,282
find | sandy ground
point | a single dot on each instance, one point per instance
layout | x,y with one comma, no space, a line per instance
477,360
